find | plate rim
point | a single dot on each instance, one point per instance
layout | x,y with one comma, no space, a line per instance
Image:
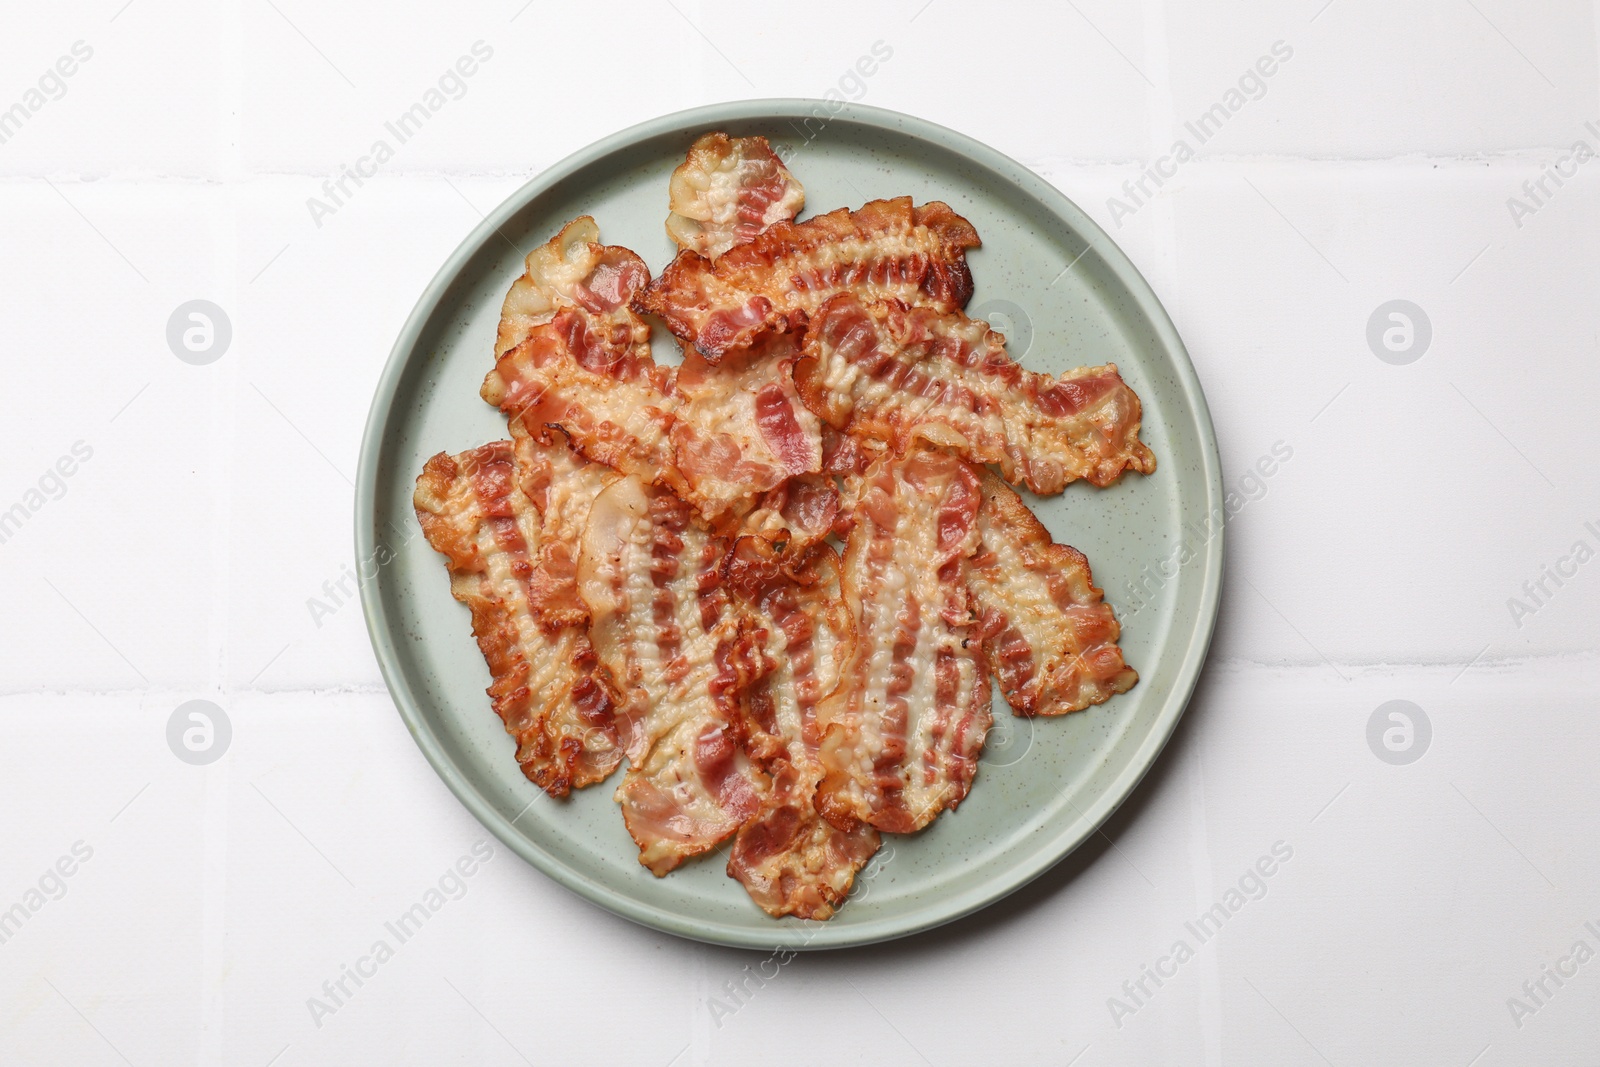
805,935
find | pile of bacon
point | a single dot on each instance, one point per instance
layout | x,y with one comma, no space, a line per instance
651,559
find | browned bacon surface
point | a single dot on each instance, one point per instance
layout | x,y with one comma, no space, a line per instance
740,429
1048,638
546,686
887,249
790,859
899,374
903,731
571,270
663,628
734,440
595,382
728,439
562,486
646,561
728,190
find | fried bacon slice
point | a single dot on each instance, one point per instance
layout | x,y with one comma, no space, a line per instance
887,249
740,428
799,513
728,439
791,860
663,628
903,731
562,486
898,374
571,270
1048,637
546,686
598,385
728,190
720,439
573,356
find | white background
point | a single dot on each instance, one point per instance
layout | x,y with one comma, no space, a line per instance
1377,566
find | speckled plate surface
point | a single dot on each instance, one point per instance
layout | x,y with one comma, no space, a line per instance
1064,294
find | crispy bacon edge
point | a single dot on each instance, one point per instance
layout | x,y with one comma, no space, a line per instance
1048,636
572,269
904,584
598,384
680,657
789,859
728,190
772,282
898,374
546,685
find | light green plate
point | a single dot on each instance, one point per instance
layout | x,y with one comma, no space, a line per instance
1065,294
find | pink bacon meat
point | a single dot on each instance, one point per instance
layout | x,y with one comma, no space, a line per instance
1048,637
899,374
903,731
663,628
546,685
887,249
727,191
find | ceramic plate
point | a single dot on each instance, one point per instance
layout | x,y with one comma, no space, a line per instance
1064,294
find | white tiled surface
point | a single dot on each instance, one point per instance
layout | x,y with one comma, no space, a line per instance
1374,163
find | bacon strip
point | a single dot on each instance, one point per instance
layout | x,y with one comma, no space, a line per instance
728,190
572,355
740,429
791,860
727,439
598,385
546,686
800,512
887,249
1048,638
898,374
562,486
719,437
662,626
571,270
904,729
